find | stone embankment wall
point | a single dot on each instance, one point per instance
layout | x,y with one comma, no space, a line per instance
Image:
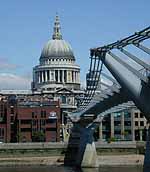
58,149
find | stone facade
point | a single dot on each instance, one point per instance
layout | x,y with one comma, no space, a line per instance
129,124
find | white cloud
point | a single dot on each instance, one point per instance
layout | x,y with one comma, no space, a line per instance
13,81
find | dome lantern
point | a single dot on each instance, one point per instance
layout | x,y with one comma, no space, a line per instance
57,34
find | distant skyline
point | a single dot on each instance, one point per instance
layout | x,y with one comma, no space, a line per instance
25,27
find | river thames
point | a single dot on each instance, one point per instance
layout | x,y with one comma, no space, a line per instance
68,169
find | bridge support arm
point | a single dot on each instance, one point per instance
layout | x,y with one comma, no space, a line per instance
136,59
142,47
132,84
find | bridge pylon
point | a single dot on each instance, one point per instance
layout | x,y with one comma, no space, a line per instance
81,150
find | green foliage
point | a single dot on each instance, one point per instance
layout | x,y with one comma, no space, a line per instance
125,133
38,136
112,139
19,137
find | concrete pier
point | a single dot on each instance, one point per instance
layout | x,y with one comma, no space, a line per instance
81,149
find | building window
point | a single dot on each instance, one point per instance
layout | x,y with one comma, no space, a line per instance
51,129
44,114
43,130
27,121
126,132
1,132
136,115
34,130
48,121
127,115
12,119
1,107
25,129
141,123
141,115
136,123
63,99
41,114
43,122
117,115
34,122
32,114
117,123
12,110
127,123
118,132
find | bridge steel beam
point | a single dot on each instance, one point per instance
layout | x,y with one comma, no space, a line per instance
136,59
135,88
127,66
142,47
114,100
113,88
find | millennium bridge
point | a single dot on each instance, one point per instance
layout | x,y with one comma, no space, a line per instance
128,84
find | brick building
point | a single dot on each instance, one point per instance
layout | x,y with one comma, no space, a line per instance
29,119
5,126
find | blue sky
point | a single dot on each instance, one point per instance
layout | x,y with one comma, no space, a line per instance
25,26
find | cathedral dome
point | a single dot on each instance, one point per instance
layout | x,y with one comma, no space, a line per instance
57,47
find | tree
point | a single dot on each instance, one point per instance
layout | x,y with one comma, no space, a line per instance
38,136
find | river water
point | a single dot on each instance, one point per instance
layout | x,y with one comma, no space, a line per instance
67,169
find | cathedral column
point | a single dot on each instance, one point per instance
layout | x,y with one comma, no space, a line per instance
74,76
42,76
58,75
69,78
49,75
46,76
62,76
38,76
78,77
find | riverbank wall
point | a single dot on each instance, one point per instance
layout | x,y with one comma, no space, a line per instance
115,153
58,149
